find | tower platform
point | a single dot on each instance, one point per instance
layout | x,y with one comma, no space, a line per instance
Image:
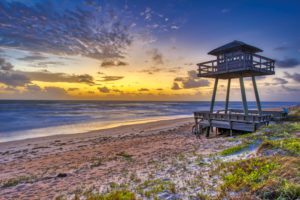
234,60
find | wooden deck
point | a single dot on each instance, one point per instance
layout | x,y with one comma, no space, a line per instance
230,121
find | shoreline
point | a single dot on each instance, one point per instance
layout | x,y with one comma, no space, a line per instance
112,131
84,128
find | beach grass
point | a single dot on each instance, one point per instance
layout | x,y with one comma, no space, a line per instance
234,149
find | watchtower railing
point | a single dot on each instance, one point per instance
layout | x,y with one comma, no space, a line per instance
204,115
235,62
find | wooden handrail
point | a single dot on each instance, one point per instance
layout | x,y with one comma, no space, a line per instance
244,59
232,117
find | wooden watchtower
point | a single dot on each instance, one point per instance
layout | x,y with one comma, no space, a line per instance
234,60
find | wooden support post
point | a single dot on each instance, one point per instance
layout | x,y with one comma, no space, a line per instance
227,95
244,96
207,131
256,95
212,103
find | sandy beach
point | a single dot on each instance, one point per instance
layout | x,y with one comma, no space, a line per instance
48,167
160,159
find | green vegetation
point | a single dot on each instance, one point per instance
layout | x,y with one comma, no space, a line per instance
272,177
151,188
273,173
233,149
201,196
126,156
96,162
15,181
267,177
280,130
249,173
290,145
199,160
114,195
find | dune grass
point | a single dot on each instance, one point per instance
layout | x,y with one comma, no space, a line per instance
265,177
234,149
114,195
290,145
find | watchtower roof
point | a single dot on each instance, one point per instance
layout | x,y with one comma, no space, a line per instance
234,45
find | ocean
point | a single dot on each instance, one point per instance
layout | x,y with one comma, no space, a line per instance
28,119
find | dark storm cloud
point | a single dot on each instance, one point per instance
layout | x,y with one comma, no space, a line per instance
288,63
82,31
295,76
191,81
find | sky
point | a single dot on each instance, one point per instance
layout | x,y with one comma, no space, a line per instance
141,50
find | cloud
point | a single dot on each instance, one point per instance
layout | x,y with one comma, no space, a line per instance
175,86
73,89
295,76
47,27
113,63
175,27
279,81
47,92
47,63
281,48
4,65
103,89
143,90
288,63
9,77
174,70
111,78
191,81
151,70
33,57
290,89
33,88
117,90
13,79
156,56
55,91
47,76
